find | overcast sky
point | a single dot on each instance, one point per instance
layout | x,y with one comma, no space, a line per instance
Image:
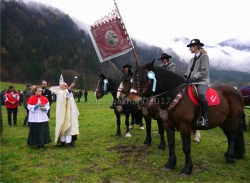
157,21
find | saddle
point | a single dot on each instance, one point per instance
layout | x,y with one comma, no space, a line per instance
212,96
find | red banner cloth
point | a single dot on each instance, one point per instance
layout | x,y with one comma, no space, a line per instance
110,39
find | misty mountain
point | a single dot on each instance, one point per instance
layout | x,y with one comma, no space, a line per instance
237,43
40,42
232,54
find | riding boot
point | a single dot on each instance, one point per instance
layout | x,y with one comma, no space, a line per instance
203,120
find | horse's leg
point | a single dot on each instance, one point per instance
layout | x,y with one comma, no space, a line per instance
168,166
185,131
148,139
131,126
140,117
127,125
197,136
162,145
118,123
236,144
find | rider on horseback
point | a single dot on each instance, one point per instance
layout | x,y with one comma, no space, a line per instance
198,74
166,63
126,67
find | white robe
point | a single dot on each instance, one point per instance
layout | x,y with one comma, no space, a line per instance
37,115
66,116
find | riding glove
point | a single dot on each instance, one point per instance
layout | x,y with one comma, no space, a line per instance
190,80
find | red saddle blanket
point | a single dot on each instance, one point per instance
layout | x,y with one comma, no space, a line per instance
212,96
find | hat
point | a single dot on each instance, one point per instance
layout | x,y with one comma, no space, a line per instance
195,42
127,65
164,56
28,85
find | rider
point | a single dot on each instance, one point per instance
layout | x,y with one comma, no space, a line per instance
166,63
198,74
126,67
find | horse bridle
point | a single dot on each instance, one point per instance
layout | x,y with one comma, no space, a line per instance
126,92
137,92
101,90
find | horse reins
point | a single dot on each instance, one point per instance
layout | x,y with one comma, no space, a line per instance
169,90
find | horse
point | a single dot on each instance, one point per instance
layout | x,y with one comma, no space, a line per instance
108,85
180,113
78,95
150,110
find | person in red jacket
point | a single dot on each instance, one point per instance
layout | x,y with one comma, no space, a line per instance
11,103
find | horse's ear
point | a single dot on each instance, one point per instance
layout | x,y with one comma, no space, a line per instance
150,65
123,70
99,75
137,65
103,76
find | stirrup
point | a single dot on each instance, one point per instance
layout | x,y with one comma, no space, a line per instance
201,121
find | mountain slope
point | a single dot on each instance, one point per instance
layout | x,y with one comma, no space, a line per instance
39,42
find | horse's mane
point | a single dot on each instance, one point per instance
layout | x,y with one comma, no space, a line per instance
166,79
113,84
125,76
113,81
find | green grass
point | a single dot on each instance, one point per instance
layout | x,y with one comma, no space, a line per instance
17,86
100,156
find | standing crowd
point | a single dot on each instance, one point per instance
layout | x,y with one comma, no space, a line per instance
37,101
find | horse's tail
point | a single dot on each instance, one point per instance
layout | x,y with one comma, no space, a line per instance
239,146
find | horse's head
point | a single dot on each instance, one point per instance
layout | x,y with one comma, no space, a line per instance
126,84
102,87
143,82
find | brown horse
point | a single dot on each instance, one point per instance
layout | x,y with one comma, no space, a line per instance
110,85
150,111
182,114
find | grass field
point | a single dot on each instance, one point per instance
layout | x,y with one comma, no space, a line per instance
100,156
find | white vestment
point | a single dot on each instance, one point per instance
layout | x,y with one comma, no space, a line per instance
66,116
36,115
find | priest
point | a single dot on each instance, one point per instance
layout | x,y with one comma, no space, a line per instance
66,116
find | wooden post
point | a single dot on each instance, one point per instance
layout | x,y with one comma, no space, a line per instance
136,58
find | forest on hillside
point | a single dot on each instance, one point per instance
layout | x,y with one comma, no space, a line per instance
41,42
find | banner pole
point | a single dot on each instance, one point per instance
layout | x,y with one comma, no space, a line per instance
136,58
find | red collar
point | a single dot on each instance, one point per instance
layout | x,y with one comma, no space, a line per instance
33,100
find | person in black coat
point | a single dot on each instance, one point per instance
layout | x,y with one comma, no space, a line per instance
47,93
85,95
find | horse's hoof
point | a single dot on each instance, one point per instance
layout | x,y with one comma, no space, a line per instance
196,140
128,135
118,134
184,175
230,164
141,128
147,143
162,148
131,127
167,169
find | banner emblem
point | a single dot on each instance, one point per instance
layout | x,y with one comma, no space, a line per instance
111,38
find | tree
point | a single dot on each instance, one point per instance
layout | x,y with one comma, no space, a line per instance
81,82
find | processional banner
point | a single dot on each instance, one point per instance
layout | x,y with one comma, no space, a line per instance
110,37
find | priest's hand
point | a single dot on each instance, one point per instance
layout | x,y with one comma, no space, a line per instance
72,85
